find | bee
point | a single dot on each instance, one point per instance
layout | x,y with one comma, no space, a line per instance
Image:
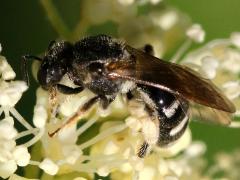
108,67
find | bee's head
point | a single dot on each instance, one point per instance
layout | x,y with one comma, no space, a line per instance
55,63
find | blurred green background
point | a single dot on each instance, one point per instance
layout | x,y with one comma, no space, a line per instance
25,29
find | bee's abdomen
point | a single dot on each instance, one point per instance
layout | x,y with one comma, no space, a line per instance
173,121
172,113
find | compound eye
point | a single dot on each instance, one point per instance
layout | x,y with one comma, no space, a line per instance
96,68
50,75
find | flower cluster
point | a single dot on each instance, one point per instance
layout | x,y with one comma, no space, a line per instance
219,61
105,142
161,26
12,154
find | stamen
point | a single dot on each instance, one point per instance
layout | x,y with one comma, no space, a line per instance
84,168
98,158
20,118
186,45
116,163
35,139
103,135
27,132
34,163
85,126
94,166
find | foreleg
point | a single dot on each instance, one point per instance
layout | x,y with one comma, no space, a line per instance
69,90
78,114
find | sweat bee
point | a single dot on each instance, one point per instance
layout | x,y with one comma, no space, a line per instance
107,67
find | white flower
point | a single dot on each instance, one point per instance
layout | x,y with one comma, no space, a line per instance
103,171
21,156
71,153
42,97
6,70
11,92
7,129
165,20
49,167
230,59
111,148
96,12
196,33
219,61
154,29
40,116
209,67
6,169
116,134
195,149
6,147
136,163
235,38
12,156
232,89
147,172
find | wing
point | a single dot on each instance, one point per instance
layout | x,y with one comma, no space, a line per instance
210,115
180,80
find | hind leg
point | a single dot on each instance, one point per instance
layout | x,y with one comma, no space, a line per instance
144,112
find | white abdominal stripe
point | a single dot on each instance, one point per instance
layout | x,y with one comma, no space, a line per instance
176,112
179,127
170,111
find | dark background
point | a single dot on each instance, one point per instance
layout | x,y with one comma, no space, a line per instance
24,29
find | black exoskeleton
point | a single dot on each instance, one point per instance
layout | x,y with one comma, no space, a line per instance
107,67
87,64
